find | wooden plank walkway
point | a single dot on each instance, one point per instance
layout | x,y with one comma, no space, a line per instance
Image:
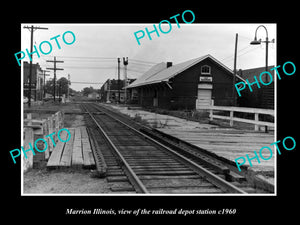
76,153
229,143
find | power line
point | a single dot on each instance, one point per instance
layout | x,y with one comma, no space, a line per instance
82,82
85,57
140,64
229,58
104,58
138,71
142,61
102,68
94,64
244,37
89,67
249,51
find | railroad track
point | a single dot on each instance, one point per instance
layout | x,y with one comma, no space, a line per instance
134,161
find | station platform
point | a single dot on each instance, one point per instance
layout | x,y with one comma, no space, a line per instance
228,143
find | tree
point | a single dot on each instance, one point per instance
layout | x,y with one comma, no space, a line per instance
88,90
63,85
49,86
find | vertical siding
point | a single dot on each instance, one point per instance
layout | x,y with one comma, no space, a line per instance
259,98
186,85
185,88
222,85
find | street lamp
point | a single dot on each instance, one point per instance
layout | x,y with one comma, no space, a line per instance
258,42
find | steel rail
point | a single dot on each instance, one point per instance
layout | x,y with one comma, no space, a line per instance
133,178
216,180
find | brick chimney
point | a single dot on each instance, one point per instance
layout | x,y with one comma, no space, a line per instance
169,64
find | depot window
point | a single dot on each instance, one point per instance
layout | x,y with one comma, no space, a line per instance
205,69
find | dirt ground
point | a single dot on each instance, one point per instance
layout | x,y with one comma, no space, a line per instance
68,181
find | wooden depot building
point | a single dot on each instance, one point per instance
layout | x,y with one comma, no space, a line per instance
193,84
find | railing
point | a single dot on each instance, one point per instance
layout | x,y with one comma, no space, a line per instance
39,128
231,118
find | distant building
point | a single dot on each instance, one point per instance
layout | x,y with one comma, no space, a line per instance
262,97
109,92
94,95
193,84
37,81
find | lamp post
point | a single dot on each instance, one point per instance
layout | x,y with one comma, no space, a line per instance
258,42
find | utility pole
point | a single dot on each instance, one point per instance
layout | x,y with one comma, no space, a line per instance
125,62
32,29
44,91
234,70
108,91
69,87
119,86
54,68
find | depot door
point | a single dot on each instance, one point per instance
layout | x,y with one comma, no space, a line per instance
203,98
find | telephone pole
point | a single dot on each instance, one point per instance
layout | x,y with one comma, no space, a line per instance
119,86
44,90
125,62
69,87
54,69
32,29
234,70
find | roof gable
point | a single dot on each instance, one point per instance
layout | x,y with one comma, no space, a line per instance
159,72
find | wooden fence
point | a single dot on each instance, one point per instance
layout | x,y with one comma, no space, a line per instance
231,118
40,128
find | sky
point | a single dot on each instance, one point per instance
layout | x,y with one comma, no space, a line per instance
92,58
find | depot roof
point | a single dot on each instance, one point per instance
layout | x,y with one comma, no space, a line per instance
160,72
